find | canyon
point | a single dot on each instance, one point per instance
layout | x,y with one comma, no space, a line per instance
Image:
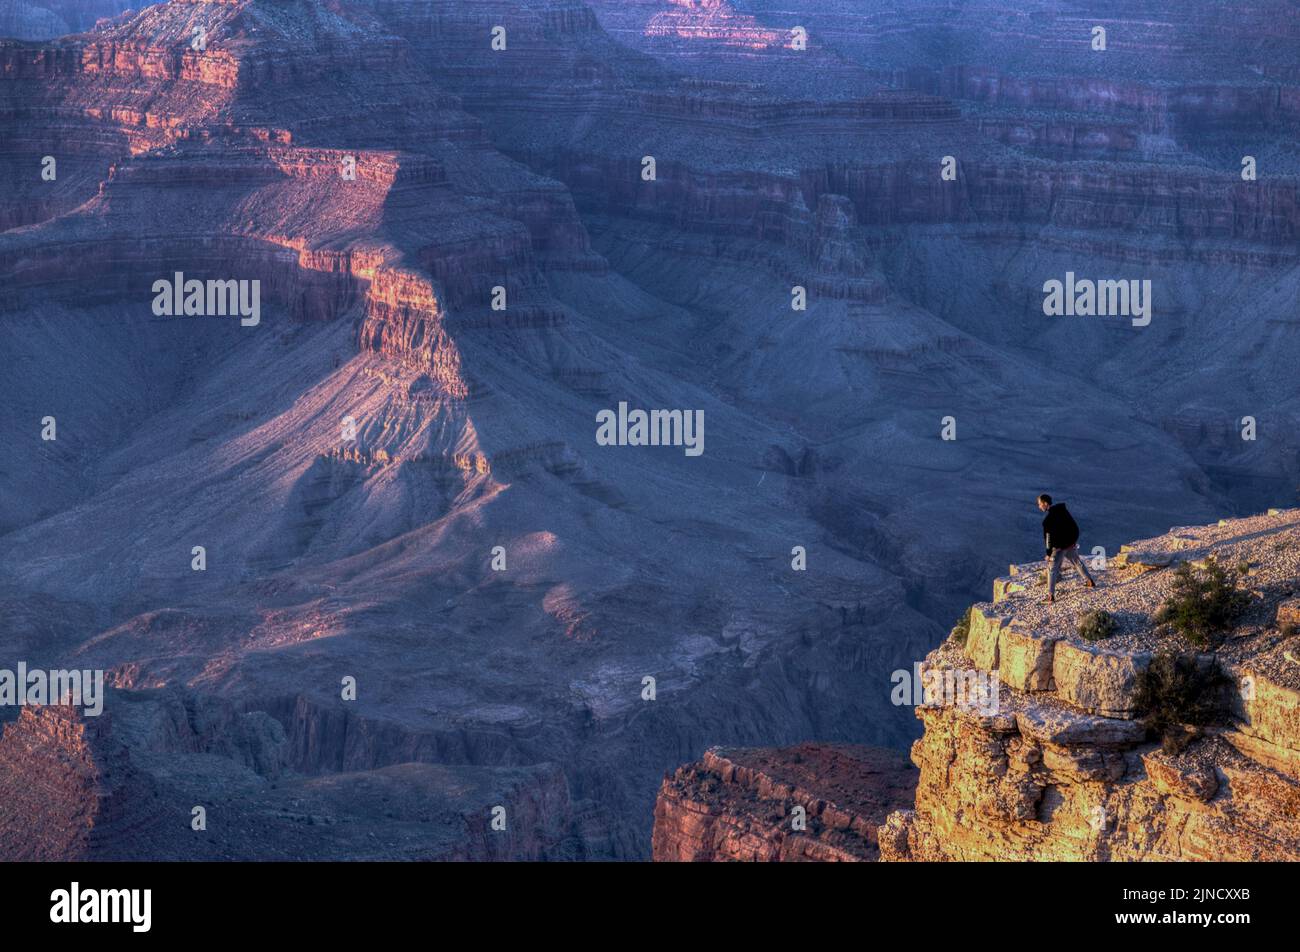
370,557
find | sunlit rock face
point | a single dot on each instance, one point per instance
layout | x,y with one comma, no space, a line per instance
1068,766
461,261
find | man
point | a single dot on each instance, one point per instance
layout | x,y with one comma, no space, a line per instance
1061,536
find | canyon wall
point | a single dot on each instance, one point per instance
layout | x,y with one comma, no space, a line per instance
127,785
811,803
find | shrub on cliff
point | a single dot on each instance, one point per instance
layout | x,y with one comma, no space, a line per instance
961,631
1177,695
1096,625
1203,605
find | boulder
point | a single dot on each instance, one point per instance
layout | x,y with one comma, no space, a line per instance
1098,681
1055,724
1007,585
1142,561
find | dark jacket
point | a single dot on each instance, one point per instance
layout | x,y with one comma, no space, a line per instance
1060,531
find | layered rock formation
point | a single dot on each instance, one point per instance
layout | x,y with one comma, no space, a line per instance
125,785
473,426
71,792
512,178
811,803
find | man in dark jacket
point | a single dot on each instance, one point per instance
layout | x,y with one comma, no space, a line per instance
1061,537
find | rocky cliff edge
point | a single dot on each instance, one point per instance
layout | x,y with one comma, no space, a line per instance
1109,728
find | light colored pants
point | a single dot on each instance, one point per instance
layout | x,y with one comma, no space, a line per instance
1072,556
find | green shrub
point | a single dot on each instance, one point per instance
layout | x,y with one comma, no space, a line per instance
961,631
1203,605
1096,625
1176,696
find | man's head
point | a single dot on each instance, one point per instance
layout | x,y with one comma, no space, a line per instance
1044,502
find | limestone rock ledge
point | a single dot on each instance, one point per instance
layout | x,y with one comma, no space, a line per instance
740,804
1065,769
1041,781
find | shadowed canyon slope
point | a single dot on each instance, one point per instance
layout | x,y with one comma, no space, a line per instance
351,464
44,19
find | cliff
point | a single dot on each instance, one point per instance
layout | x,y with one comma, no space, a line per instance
742,804
123,786
69,789
1143,741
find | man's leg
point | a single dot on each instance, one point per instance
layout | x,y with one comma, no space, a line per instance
1055,572
1073,555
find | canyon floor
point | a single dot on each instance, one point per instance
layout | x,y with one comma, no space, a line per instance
428,597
